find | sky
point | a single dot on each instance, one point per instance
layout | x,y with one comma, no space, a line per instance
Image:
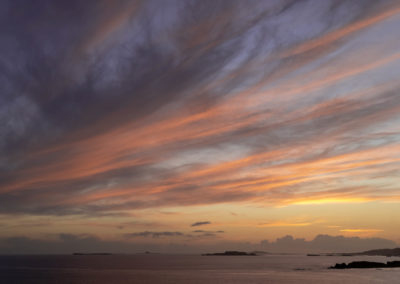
186,126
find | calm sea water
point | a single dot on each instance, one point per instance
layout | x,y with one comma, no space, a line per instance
189,269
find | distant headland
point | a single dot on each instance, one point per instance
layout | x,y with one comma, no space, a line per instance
370,264
383,252
375,252
366,264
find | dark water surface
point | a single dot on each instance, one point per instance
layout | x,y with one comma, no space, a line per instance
188,269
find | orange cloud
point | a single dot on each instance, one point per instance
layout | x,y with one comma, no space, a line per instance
285,224
360,230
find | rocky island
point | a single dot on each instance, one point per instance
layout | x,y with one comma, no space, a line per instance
366,264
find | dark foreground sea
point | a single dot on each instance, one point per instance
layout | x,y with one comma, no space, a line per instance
188,269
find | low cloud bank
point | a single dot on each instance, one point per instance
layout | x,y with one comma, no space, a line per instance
326,243
179,243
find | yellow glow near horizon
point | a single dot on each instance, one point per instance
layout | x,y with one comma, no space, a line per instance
332,200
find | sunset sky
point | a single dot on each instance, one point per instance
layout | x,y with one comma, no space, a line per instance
194,125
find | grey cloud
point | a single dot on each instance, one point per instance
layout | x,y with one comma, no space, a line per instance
146,234
64,243
206,235
64,100
326,243
203,231
149,234
200,223
68,243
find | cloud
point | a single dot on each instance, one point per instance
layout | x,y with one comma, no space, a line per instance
108,108
326,243
203,231
285,224
360,230
63,243
68,243
154,234
199,234
200,223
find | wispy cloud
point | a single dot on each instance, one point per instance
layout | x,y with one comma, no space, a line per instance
109,108
285,224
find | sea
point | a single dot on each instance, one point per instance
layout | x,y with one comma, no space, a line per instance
189,269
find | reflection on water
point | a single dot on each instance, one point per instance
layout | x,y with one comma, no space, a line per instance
189,269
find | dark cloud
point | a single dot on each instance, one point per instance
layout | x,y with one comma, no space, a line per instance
63,243
207,234
154,234
201,223
203,231
199,234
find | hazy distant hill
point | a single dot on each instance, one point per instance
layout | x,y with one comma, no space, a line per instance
385,252
382,252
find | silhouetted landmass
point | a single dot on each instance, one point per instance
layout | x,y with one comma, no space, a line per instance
384,252
375,252
232,252
94,253
366,264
